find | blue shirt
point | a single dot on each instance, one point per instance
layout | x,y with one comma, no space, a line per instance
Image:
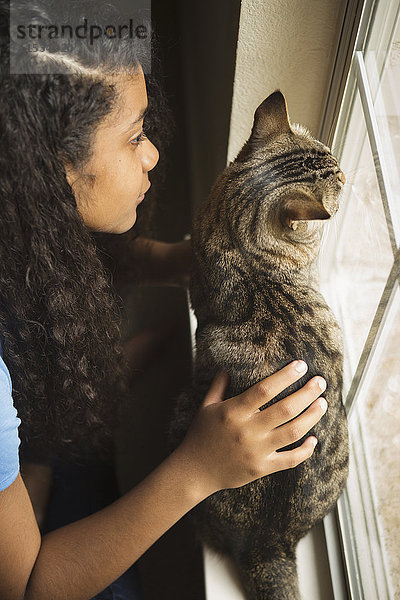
9,423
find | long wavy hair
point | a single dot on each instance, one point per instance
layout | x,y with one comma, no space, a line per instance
59,314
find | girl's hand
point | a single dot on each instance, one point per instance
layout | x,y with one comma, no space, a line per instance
179,257
232,442
157,263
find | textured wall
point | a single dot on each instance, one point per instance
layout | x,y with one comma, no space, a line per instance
288,45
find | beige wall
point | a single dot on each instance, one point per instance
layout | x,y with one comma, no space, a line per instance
288,45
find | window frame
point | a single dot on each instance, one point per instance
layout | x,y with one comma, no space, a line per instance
340,537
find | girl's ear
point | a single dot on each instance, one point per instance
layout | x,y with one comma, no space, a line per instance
271,119
301,207
70,174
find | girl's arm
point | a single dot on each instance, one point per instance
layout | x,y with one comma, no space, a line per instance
155,263
37,478
81,559
229,443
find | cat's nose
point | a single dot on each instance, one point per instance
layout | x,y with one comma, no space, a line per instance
340,176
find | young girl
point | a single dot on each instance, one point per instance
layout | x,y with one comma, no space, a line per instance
74,161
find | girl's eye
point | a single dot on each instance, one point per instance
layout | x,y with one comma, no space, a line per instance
139,139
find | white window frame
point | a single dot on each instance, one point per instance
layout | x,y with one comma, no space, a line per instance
341,543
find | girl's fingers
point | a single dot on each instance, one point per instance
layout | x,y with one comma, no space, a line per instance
291,458
292,432
216,391
290,407
266,389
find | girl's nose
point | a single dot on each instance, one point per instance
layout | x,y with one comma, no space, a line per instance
150,155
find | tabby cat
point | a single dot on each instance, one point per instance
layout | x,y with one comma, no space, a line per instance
254,290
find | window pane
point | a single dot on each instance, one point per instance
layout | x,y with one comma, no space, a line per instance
383,69
356,262
363,255
374,482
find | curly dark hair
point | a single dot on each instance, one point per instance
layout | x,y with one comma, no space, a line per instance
59,313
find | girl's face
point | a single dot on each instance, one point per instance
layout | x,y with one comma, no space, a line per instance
122,158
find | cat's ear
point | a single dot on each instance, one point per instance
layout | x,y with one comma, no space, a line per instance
270,120
301,207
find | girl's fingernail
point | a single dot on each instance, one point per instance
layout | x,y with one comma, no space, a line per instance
322,383
300,366
323,404
314,441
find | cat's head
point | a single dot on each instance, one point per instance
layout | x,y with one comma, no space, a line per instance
289,181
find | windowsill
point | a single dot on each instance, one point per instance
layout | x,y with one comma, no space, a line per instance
221,581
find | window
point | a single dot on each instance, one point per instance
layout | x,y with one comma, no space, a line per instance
360,276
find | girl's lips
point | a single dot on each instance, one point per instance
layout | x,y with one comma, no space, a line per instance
141,197
146,190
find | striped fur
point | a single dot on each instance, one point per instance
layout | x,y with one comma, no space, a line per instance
255,293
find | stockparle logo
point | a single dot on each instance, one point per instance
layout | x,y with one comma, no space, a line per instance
37,36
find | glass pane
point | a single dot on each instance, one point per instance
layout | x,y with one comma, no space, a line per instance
373,487
356,260
362,252
383,69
